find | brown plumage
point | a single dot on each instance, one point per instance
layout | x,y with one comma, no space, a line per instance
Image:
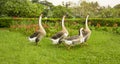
86,31
39,34
57,38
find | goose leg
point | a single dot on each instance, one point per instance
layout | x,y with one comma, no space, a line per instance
57,45
81,44
69,47
86,43
65,45
37,40
36,43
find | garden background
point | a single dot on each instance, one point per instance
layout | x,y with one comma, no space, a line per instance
19,19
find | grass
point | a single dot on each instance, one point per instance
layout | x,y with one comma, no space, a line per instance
103,48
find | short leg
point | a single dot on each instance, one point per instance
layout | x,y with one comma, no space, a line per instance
69,47
57,45
82,44
37,40
36,43
60,41
85,43
65,45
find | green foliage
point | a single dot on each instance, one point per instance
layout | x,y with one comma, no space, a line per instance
52,25
85,8
94,21
35,1
27,8
110,13
116,30
19,8
59,11
117,6
5,22
46,3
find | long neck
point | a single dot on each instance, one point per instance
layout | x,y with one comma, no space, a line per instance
63,26
81,34
40,24
63,23
86,22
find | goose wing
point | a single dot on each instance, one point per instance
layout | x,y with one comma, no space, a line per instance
57,35
35,34
84,33
72,38
86,37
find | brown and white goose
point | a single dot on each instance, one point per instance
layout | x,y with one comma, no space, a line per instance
57,38
86,31
73,40
39,34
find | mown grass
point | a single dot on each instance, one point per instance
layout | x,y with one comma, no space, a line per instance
103,48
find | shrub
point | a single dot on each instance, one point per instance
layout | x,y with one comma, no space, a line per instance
5,22
116,30
20,8
92,21
52,25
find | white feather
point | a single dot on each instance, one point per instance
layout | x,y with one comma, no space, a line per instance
81,40
32,39
55,41
66,34
68,42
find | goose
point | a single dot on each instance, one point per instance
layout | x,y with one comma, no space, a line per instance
73,40
57,38
39,34
86,30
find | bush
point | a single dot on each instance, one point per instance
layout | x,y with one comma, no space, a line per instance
105,21
116,30
19,8
52,25
109,22
5,22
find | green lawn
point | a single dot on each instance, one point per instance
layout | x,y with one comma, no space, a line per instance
103,48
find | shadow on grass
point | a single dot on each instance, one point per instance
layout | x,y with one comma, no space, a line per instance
63,47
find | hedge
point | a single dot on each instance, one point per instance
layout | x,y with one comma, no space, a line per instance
7,22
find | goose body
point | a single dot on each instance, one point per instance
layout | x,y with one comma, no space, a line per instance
73,40
57,38
86,31
39,34
33,37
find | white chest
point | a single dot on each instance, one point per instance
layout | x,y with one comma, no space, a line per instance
32,39
68,42
81,40
55,41
65,34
